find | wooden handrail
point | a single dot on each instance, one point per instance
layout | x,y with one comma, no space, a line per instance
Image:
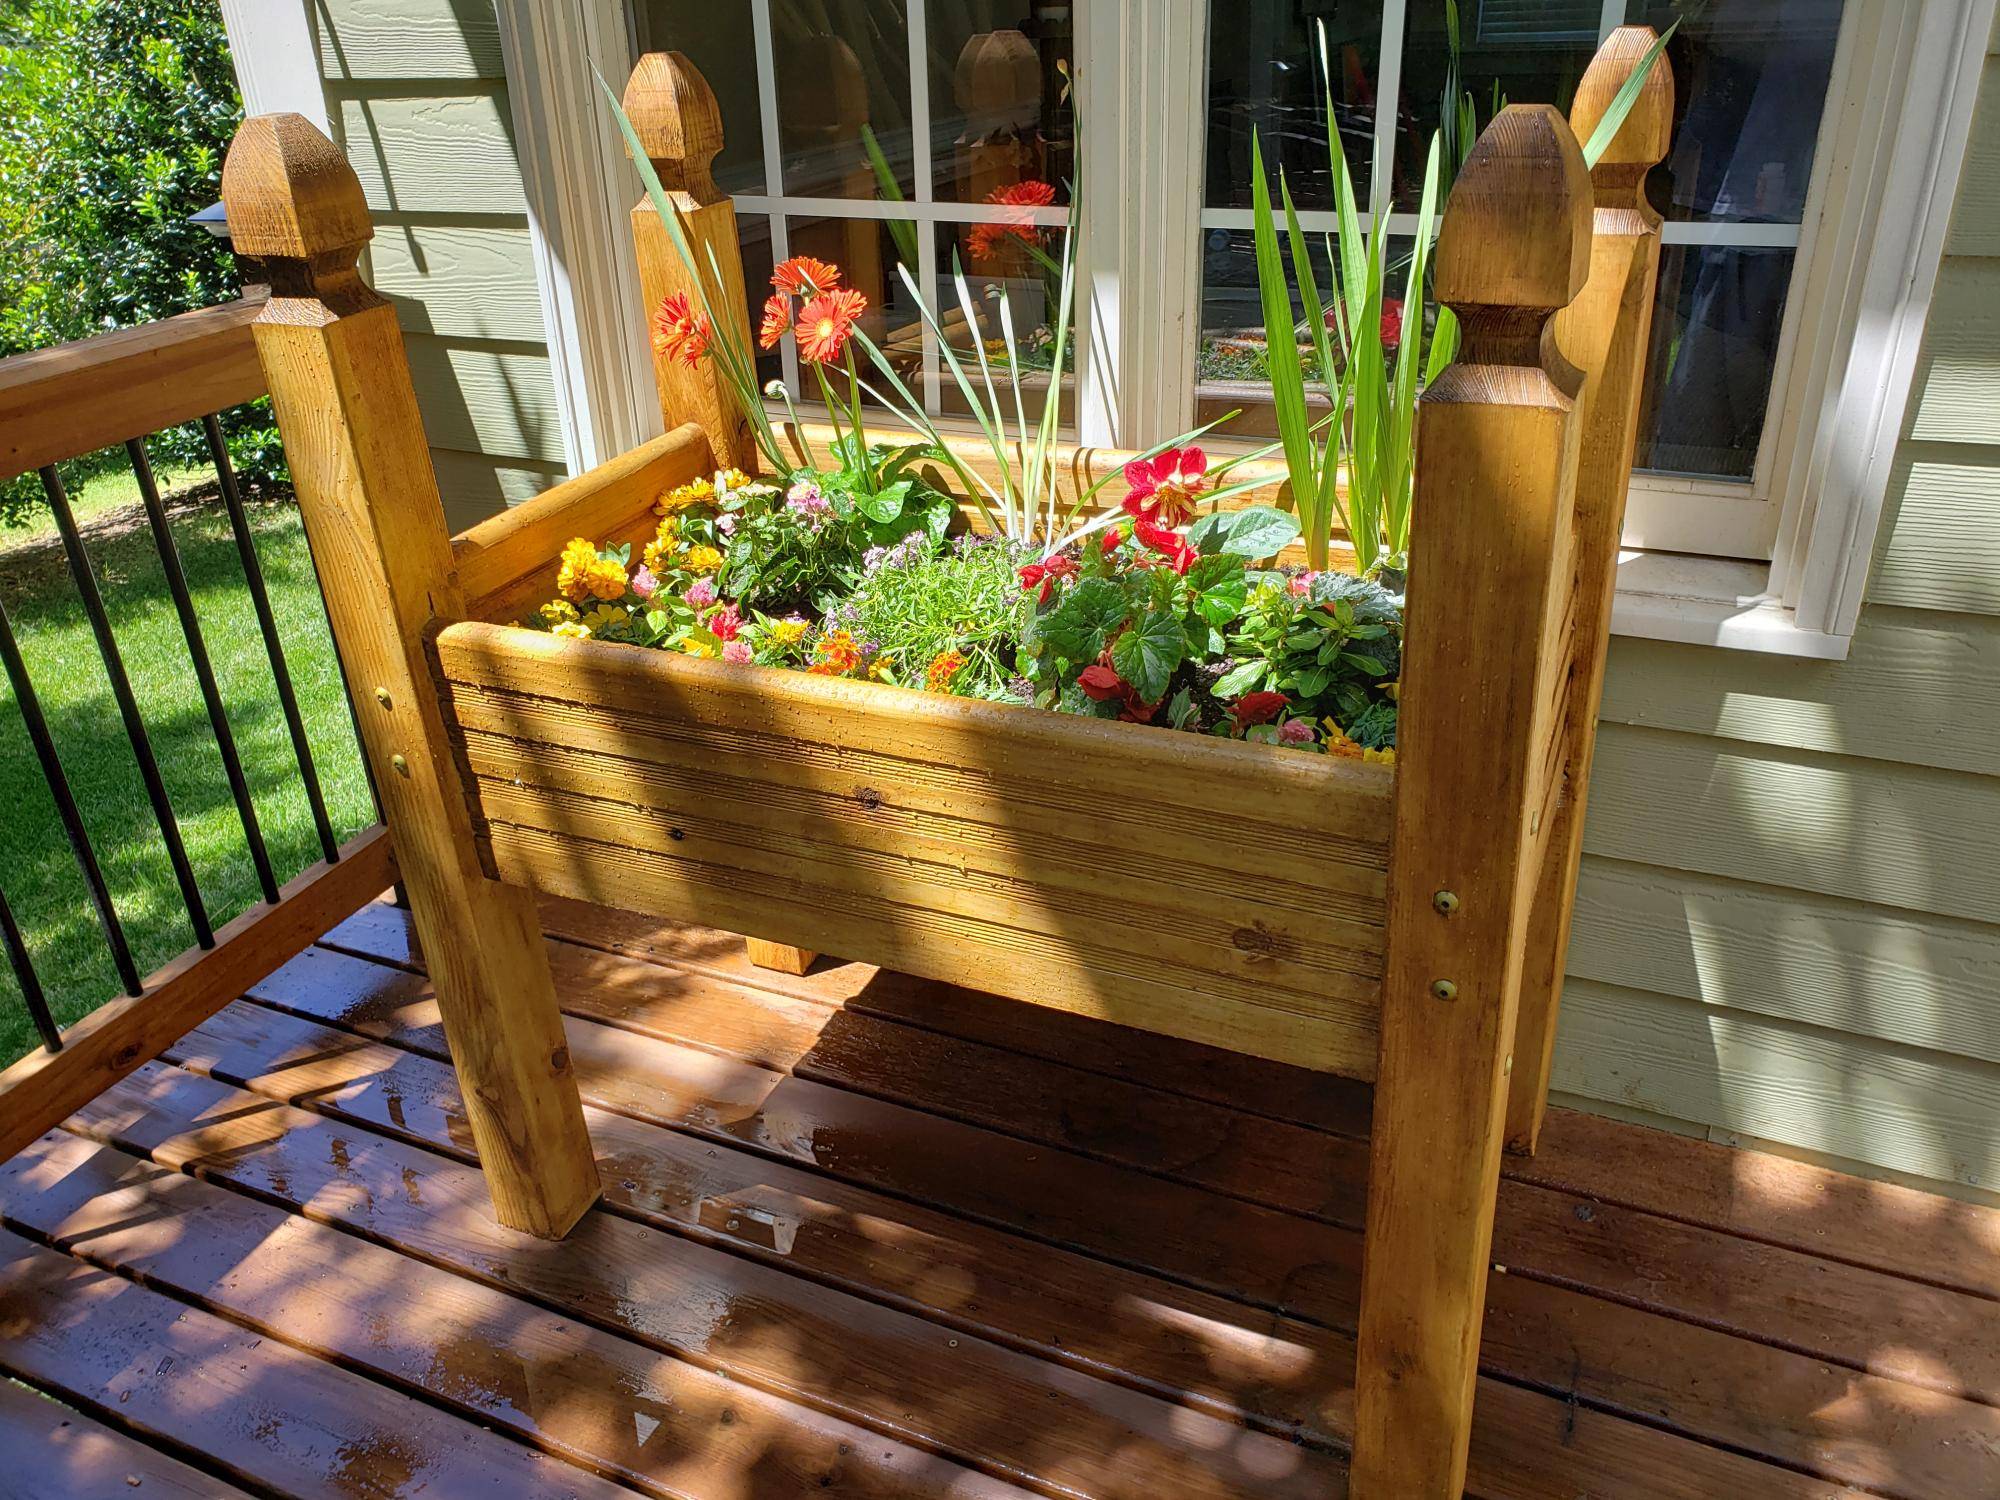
44,1088
76,398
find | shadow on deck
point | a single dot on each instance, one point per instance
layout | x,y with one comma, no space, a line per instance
868,1235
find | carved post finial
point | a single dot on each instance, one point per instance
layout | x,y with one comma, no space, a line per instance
1642,141
679,123
292,199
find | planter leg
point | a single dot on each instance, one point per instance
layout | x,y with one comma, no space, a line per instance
781,958
1489,586
340,385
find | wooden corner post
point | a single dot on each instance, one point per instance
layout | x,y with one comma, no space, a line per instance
340,386
674,112
1604,334
1489,587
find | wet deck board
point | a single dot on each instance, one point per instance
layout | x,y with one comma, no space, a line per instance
916,1241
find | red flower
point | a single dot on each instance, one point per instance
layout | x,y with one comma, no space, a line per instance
826,323
1101,683
1256,708
1171,545
1392,322
726,623
777,320
985,238
1045,575
802,276
679,332
1164,488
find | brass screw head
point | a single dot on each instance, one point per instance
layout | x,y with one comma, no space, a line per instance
1445,903
382,696
402,766
1443,989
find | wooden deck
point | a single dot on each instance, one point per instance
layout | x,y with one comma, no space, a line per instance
869,1236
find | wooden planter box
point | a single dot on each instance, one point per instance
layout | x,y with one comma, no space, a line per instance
1406,927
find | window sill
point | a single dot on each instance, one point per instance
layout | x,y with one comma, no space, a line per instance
1710,601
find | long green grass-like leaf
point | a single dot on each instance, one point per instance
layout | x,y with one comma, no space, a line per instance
965,388
902,231
1403,402
1045,435
1288,394
1622,101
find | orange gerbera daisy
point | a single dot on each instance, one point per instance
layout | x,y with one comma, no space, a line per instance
777,320
802,276
985,238
679,332
826,323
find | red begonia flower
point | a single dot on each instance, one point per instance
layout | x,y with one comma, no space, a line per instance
1164,488
1101,683
1256,708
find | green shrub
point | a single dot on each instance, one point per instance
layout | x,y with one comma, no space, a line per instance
114,118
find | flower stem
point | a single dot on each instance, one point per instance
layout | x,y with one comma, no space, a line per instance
854,410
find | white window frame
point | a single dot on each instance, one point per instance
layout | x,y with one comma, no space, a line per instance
1906,74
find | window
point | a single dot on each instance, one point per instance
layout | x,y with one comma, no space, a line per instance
1806,203
965,106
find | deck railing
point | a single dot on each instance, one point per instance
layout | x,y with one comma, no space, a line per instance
68,402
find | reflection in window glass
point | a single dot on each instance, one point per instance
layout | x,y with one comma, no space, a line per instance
1263,74
1010,258
717,39
842,64
1000,115
1752,79
1715,343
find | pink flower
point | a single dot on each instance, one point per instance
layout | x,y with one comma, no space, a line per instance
726,525
726,623
644,584
1163,488
1295,732
1300,584
739,651
700,594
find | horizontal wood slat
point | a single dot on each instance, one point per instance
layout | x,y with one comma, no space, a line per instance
53,1449
76,398
43,1087
1219,892
508,564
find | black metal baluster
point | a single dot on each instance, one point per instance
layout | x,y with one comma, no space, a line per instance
24,975
253,575
128,707
204,669
72,820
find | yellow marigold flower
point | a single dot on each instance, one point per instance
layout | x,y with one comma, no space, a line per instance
836,654
702,560
573,630
558,610
579,558
1381,757
945,666
1337,742
693,647
788,632
694,492
603,616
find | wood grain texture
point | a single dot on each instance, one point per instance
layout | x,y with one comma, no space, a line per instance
340,387
1943,549
600,1401
1953,401
40,1089
500,401
53,1449
277,1419
508,564
95,393
1496,456
414,39
1919,1112
462,281
1606,335
1921,687
678,121
432,153
1844,966
940,835
1863,830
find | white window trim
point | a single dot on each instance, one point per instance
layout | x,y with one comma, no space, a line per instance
1870,250
275,47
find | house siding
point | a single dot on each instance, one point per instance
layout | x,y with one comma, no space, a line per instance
1788,923
417,94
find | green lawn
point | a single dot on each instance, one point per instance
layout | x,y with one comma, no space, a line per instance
37,870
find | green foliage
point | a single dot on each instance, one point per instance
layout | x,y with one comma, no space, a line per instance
916,605
114,119
1329,642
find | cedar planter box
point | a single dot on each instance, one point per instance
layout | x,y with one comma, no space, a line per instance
1405,926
